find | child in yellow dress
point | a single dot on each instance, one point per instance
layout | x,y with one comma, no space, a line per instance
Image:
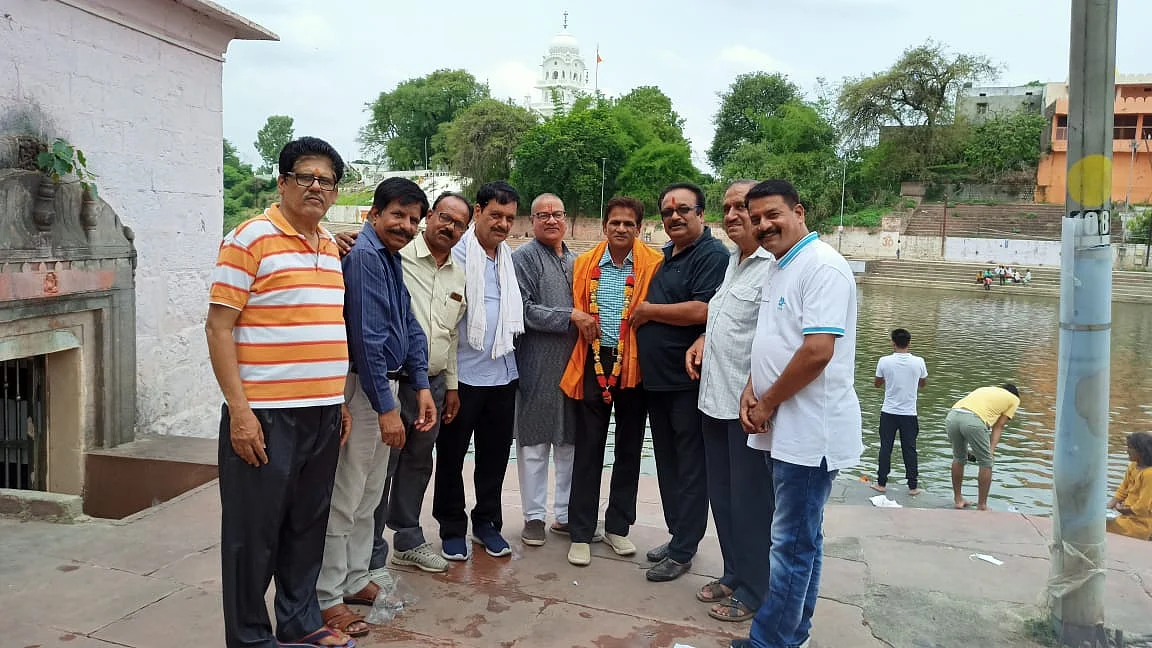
1133,499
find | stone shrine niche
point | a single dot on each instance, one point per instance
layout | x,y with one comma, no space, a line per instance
67,325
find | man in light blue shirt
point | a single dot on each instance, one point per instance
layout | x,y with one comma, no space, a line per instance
487,377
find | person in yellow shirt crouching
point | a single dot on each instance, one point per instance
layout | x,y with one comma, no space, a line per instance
975,423
1133,500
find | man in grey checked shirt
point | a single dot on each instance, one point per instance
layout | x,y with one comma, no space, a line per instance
739,477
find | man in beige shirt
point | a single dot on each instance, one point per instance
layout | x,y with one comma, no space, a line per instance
436,284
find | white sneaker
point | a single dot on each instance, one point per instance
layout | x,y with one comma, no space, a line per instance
620,544
580,554
423,557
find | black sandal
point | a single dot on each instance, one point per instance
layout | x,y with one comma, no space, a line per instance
736,611
714,587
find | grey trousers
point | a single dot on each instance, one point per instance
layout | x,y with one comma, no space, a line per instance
360,475
409,472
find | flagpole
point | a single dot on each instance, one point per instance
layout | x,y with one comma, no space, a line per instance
596,75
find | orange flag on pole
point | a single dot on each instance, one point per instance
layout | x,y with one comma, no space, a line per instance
598,59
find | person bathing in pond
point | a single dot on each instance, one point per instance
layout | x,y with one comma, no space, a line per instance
1133,500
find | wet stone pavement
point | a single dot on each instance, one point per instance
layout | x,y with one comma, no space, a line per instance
892,577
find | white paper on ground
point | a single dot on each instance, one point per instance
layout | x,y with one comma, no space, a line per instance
881,501
986,558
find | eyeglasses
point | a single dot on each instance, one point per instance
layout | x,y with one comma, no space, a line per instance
307,179
682,210
446,218
557,216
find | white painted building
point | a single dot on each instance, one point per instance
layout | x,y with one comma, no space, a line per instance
563,74
136,85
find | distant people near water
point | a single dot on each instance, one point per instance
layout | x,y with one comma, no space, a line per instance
987,281
1001,274
902,375
975,423
1016,278
1133,500
1027,277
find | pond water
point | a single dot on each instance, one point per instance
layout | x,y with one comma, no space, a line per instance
974,339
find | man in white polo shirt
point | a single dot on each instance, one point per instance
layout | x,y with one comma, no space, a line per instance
799,404
902,375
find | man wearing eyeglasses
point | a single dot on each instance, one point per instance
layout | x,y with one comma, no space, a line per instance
544,418
436,283
667,324
278,345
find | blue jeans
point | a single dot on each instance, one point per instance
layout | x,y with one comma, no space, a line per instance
785,618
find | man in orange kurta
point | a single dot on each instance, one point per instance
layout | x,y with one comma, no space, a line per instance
607,282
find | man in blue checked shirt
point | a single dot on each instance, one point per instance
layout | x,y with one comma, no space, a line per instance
385,342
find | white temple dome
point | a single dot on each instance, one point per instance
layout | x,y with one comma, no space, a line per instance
564,42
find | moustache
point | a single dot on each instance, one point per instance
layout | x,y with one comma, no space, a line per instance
396,231
447,232
763,234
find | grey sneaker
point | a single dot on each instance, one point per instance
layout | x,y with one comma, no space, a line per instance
533,533
423,557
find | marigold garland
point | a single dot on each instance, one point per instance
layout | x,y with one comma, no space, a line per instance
608,382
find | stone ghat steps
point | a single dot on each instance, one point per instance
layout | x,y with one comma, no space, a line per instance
1134,287
1017,221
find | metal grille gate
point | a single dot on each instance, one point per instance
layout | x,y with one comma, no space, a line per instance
23,429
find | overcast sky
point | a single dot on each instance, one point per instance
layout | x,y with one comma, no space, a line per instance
334,57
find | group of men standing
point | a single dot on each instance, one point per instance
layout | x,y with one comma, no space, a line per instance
741,361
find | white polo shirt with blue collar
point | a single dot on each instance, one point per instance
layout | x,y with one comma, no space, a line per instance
810,290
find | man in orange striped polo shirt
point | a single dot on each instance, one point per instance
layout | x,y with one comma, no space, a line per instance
279,350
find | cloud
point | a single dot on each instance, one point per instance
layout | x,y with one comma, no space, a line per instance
510,79
751,58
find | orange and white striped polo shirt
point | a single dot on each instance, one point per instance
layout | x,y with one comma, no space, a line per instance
291,342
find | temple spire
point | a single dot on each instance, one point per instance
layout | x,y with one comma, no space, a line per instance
565,20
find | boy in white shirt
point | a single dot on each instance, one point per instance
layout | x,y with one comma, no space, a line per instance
901,375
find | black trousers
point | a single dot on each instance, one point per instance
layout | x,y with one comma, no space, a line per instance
908,427
680,468
592,418
273,520
743,499
490,412
409,471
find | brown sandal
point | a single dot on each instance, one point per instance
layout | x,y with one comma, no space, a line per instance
366,596
340,617
716,588
734,610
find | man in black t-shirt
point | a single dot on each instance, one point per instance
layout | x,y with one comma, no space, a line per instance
666,325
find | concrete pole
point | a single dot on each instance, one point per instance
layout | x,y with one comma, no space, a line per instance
843,185
603,166
1079,480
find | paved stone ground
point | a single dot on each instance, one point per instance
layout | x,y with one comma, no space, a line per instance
892,577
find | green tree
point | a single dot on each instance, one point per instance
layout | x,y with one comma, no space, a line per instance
749,98
647,114
1140,227
479,143
243,191
276,132
406,120
651,168
563,155
918,90
798,144
1006,144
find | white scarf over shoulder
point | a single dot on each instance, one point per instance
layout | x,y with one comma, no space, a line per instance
511,322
